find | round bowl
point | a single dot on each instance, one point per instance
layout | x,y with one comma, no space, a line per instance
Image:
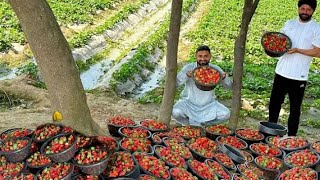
150,149
247,140
153,130
163,159
15,132
304,173
64,155
131,128
242,141
270,158
266,150
195,173
276,37
287,150
305,166
177,128
66,177
206,86
220,168
213,135
20,154
35,139
272,129
233,153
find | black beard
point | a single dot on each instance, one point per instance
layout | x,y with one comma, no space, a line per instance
305,17
203,63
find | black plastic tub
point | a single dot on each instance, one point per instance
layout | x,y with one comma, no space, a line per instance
20,154
233,153
272,129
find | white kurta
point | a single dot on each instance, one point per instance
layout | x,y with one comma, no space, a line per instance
197,106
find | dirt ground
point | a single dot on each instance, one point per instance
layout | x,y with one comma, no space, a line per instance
35,109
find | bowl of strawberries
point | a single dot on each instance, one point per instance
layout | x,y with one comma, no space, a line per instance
275,44
206,78
16,149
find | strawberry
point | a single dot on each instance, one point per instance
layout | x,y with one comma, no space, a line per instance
265,149
218,169
232,141
121,121
38,160
187,132
268,162
119,164
90,155
182,174
135,132
298,173
55,171
166,154
206,75
203,146
302,158
225,160
46,131
153,165
136,144
153,125
202,170
249,134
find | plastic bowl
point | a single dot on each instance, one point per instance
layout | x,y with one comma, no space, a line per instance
223,167
306,166
153,130
9,133
150,151
43,125
136,127
268,169
249,141
77,176
272,129
248,157
233,153
242,141
275,53
197,174
68,176
18,155
288,150
175,130
23,176
95,168
64,155
202,86
213,136
297,169
167,162
255,153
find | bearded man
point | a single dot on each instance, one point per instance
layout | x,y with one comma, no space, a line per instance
198,107
292,69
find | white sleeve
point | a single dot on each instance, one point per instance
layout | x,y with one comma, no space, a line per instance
316,37
182,75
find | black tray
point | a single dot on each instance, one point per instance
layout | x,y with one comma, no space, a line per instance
272,129
233,153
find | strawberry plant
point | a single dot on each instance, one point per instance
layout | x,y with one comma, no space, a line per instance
136,144
218,169
298,173
206,75
269,163
202,170
172,158
153,125
264,149
203,146
136,132
232,141
37,160
187,132
225,160
55,171
119,164
152,165
181,174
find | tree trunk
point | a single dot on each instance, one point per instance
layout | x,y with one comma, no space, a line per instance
239,53
171,63
56,63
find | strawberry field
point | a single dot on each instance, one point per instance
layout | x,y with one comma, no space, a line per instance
151,150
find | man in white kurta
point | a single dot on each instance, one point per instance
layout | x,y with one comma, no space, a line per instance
197,107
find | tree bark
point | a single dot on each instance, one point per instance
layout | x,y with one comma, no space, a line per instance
171,63
239,52
56,64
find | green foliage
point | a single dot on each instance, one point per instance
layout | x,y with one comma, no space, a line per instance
81,38
315,123
139,60
32,71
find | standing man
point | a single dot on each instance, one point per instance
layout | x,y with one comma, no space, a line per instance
293,67
197,107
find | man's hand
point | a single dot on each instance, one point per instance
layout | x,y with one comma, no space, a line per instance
224,75
189,74
293,50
